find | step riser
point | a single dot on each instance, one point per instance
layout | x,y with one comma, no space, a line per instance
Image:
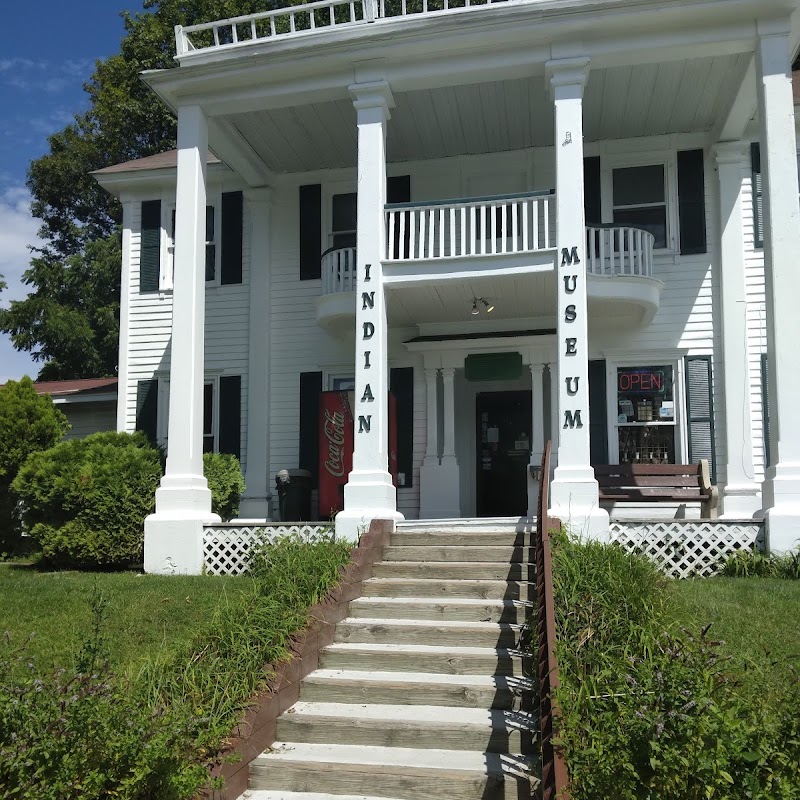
388,734
316,777
504,554
442,570
404,694
442,611
488,664
440,539
408,634
473,590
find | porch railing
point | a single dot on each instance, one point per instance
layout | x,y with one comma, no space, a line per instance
308,18
339,270
473,226
616,250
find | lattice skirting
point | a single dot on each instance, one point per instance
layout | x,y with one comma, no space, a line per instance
227,548
688,548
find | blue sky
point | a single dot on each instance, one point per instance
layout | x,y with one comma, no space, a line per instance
48,52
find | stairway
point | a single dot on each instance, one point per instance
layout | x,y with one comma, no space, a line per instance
423,694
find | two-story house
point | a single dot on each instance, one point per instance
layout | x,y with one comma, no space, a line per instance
574,220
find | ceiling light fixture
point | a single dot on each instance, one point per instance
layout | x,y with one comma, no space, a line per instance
475,310
489,307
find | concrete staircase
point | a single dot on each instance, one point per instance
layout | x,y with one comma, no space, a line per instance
424,693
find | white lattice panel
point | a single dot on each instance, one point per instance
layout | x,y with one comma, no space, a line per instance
688,548
227,548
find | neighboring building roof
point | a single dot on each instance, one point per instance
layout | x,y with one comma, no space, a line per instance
83,387
168,160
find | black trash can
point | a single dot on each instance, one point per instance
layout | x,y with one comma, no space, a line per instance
294,495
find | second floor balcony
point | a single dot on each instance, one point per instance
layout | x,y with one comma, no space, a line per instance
464,248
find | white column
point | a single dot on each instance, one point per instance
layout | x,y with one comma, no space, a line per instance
173,541
432,412
123,357
537,432
256,498
554,412
781,488
449,397
574,493
369,493
740,495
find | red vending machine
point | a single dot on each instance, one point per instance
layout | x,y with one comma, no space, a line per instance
336,431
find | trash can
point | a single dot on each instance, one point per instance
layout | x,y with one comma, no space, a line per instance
294,495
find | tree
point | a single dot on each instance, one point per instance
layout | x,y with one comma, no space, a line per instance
75,334
29,422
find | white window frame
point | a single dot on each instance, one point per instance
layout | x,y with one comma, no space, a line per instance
166,278
328,192
162,420
669,160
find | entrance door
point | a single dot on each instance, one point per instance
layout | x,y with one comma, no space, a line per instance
504,449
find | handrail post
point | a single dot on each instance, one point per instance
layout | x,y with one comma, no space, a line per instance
180,41
370,10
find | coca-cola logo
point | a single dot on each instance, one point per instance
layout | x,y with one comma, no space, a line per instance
334,432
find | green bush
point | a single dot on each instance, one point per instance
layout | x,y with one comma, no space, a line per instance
28,423
226,482
85,500
648,712
752,564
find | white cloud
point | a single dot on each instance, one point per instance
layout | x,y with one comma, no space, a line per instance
17,231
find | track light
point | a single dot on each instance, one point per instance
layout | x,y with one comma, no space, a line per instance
489,308
475,310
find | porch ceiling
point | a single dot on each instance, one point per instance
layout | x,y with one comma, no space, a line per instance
679,96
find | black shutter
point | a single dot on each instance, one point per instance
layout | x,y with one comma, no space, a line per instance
310,389
598,413
310,232
230,415
765,407
231,257
398,190
150,247
147,409
692,201
401,384
592,205
700,411
758,203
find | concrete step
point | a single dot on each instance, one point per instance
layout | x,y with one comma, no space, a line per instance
430,587
425,658
455,570
418,688
459,553
423,726
456,608
398,772
437,632
456,538
263,794
476,524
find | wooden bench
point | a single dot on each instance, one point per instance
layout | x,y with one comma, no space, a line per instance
658,483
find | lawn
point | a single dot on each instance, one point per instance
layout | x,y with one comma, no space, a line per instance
148,616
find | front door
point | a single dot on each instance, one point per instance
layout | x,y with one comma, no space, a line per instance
504,449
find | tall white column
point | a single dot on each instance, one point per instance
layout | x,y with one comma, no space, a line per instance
555,412
740,496
173,541
574,493
369,493
256,498
128,206
449,397
537,433
432,412
781,488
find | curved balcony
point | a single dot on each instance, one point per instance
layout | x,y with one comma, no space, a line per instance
336,307
619,267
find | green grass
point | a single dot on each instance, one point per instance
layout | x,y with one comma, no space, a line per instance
149,616
757,618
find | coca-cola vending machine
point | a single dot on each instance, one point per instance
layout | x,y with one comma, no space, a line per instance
336,432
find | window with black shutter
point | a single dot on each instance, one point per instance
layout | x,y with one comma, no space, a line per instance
147,409
700,411
231,243
150,247
310,232
401,384
758,201
692,201
598,413
765,408
310,390
230,415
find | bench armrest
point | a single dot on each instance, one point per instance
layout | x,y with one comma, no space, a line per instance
711,492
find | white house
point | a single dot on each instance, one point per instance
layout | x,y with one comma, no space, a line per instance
575,220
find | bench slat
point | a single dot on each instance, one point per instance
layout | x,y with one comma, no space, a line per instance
647,469
651,494
647,480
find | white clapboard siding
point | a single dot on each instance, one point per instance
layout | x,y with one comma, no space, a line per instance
88,418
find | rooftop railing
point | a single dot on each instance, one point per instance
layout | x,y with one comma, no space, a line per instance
306,18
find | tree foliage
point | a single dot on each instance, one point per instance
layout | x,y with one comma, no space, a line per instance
78,337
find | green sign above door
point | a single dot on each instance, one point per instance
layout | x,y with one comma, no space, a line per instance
493,367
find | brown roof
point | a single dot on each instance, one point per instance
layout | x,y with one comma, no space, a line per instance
82,386
168,160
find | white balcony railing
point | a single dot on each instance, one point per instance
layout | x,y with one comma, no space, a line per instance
478,226
614,250
308,18
339,270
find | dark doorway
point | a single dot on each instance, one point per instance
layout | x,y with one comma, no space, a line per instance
503,437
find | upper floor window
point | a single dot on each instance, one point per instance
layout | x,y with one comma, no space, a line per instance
640,199
168,264
343,220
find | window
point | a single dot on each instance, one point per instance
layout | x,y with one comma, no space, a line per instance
640,199
343,220
210,414
347,384
209,418
168,263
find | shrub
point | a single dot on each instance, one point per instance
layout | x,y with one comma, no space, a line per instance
86,499
752,564
226,482
28,423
